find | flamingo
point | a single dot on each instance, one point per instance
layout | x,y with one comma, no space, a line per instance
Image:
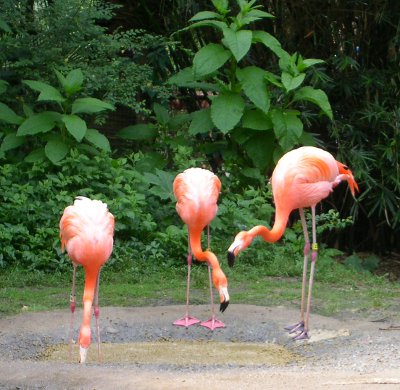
196,191
86,231
302,178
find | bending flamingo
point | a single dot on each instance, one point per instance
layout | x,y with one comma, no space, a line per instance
196,191
302,178
86,231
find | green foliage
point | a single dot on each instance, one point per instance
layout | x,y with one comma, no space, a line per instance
123,67
362,264
60,125
258,109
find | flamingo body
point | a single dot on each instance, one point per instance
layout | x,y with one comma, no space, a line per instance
86,231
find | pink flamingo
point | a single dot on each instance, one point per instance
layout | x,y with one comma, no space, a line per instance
196,191
86,230
302,178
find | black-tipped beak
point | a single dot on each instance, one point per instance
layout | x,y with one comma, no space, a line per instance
231,259
223,306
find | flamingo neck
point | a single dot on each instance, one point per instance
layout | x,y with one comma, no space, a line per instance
199,254
91,275
273,235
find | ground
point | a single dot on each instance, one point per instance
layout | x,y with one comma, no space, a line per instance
141,349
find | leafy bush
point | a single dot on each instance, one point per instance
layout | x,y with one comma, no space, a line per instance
257,108
60,128
123,67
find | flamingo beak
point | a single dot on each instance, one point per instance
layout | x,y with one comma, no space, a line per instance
83,354
224,299
233,252
353,185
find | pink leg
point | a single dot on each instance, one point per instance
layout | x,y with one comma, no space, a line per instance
299,326
96,312
187,320
212,323
304,333
72,301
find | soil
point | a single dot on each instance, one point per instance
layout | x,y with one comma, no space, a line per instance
142,349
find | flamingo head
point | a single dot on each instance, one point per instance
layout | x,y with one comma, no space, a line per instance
344,170
221,284
242,241
84,342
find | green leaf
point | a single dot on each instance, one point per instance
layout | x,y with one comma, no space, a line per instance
288,127
9,116
205,15
90,105
162,114
238,42
162,183
11,141
73,81
309,62
227,110
47,92
185,78
206,23
221,6
260,149
138,132
62,80
38,123
3,86
273,79
209,59
270,42
256,120
316,96
97,139
201,122
292,82
76,126
254,86
56,150
4,26
35,156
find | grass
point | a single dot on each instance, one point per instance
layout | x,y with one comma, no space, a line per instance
337,288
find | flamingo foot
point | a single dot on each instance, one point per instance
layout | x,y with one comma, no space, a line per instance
302,336
299,326
213,323
186,321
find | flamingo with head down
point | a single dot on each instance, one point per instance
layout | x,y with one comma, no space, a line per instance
302,178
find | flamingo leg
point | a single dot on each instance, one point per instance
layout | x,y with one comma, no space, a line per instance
187,320
314,254
96,311
299,326
212,323
72,301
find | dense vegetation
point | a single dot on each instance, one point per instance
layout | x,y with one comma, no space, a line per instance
98,99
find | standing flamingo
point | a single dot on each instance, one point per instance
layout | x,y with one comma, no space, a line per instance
302,178
86,230
196,191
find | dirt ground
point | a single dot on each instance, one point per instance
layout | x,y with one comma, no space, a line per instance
141,349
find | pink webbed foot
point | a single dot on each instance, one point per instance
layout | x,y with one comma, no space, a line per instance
213,323
299,326
186,321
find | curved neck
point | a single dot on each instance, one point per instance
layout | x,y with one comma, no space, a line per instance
281,218
199,254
